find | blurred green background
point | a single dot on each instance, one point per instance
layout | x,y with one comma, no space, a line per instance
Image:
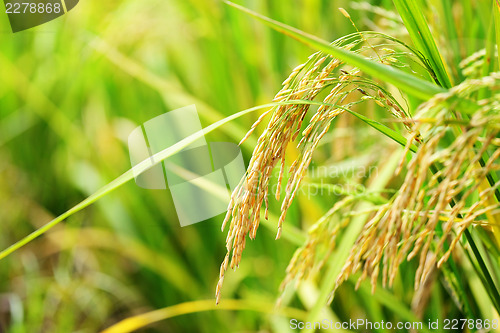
73,89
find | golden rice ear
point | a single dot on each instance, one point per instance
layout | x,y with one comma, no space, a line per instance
346,88
408,228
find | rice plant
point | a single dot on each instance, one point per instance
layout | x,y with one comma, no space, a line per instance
450,183
407,92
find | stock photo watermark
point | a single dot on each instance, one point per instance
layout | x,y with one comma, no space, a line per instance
202,175
481,325
24,14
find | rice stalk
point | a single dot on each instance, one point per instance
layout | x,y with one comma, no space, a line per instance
406,227
345,87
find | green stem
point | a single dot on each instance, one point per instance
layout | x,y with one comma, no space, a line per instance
493,292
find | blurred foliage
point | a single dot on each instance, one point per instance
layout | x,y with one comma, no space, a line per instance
70,93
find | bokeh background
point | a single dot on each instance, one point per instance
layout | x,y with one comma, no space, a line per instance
70,93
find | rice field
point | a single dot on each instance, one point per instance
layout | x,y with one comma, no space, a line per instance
369,200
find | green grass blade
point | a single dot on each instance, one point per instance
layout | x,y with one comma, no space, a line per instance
136,322
497,25
410,12
384,130
127,176
406,82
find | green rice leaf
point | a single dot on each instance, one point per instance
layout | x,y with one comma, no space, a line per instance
406,82
497,25
421,36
